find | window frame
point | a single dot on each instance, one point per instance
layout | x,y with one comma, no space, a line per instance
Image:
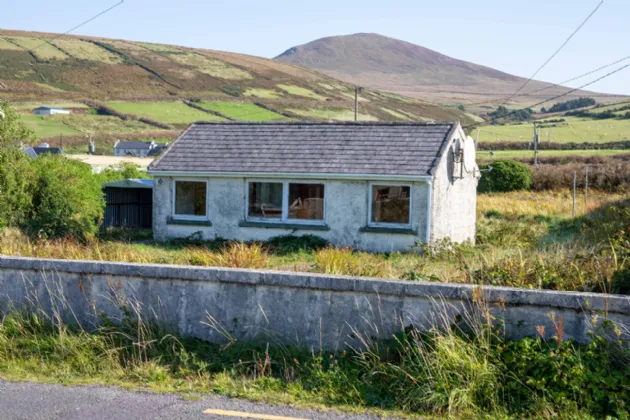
176,216
284,219
371,186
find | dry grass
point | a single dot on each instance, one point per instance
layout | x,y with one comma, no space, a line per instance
300,91
43,51
211,66
84,50
546,203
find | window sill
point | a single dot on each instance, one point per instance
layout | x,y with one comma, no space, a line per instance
382,229
294,226
187,222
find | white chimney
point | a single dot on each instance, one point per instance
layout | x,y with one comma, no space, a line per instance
44,145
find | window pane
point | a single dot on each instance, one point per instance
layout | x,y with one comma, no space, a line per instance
265,200
190,198
306,201
390,204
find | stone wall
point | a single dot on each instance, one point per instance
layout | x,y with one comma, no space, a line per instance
296,308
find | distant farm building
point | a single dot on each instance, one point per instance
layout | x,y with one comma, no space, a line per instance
128,203
43,149
47,110
138,148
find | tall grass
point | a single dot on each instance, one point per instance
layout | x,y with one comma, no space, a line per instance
465,369
523,239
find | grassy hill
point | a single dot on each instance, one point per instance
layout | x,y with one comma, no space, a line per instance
393,65
143,78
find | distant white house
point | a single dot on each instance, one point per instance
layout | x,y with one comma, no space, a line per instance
46,110
138,148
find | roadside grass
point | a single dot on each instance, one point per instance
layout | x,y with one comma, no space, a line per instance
211,66
242,111
84,50
176,113
464,370
300,91
262,93
39,47
573,129
47,126
337,114
523,239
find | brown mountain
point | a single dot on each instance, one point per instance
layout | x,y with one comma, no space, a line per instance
393,65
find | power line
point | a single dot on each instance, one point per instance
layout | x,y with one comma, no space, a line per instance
561,83
79,25
555,53
552,99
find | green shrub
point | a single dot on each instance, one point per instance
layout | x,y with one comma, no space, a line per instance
66,199
289,244
233,90
16,175
122,170
620,284
505,176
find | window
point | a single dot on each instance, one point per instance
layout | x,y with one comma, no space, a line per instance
306,201
390,204
301,202
190,199
265,200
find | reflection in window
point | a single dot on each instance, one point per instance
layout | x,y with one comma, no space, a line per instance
265,200
390,204
306,201
190,198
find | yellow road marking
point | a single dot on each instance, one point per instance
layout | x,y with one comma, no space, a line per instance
243,414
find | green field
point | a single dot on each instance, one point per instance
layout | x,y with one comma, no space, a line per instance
55,104
94,124
166,112
572,130
515,154
242,111
300,91
47,126
262,93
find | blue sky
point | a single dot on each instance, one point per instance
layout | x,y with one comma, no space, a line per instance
516,37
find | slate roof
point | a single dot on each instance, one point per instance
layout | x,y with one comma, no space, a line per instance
130,183
48,150
133,145
360,148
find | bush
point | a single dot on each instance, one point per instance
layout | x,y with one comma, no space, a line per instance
289,244
505,176
66,199
620,284
233,90
16,176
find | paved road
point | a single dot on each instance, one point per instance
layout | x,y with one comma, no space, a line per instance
29,401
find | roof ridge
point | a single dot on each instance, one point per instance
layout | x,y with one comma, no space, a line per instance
329,123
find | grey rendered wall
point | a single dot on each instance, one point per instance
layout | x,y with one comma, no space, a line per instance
453,201
346,204
303,309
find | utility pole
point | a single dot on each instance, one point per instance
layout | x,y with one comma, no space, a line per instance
477,139
536,141
574,185
549,134
357,90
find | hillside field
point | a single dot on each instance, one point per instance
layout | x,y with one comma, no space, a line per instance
572,130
